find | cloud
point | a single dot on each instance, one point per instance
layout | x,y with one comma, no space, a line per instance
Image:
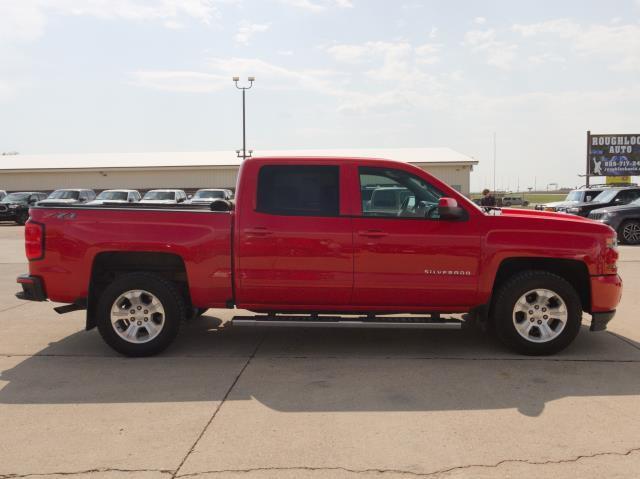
616,44
180,81
25,20
497,53
479,20
317,6
246,30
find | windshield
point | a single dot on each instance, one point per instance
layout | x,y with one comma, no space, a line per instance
15,197
64,195
605,196
206,194
159,195
574,196
113,195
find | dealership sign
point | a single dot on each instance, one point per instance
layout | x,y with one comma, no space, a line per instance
614,155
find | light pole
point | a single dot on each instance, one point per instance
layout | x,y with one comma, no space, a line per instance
244,154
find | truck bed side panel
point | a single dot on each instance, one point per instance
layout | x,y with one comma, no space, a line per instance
74,236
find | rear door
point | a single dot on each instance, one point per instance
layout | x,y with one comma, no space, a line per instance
295,246
409,257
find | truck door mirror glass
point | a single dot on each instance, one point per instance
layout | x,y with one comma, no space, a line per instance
448,209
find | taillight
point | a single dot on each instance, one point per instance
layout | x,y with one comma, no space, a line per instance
34,240
611,256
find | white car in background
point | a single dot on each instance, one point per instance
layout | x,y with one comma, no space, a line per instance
207,195
164,197
117,196
69,196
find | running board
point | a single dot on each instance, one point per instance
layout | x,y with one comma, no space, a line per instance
409,322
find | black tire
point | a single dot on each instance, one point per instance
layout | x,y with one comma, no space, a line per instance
516,287
626,230
165,292
22,217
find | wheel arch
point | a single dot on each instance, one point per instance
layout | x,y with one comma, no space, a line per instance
573,271
108,265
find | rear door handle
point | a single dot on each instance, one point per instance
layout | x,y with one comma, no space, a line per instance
258,231
373,233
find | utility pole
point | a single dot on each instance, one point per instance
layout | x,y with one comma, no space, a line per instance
494,161
243,153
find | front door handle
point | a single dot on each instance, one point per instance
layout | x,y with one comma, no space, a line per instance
258,231
373,233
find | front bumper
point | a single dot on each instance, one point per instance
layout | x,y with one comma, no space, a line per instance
606,291
32,288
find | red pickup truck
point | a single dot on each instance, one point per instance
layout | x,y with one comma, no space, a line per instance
305,244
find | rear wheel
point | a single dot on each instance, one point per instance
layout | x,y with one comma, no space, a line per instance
537,313
139,314
629,232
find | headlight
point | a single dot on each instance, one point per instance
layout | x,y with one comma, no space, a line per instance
13,207
573,210
611,213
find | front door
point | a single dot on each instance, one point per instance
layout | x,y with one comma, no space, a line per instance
295,248
405,256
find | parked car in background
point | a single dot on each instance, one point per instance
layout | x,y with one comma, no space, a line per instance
581,195
70,196
609,197
625,219
208,195
514,201
117,196
164,197
387,199
15,206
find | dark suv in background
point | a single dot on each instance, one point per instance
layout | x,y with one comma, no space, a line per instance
15,206
609,197
625,219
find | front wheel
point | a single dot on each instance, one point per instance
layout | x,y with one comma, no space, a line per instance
629,232
537,313
139,314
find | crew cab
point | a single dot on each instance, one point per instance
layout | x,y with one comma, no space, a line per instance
209,195
301,246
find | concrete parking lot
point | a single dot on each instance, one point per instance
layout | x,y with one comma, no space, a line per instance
225,402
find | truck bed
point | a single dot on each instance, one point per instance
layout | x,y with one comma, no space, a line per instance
75,235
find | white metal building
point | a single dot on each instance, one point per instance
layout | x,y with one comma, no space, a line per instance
191,170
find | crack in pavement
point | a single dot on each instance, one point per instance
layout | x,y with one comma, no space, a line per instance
360,357
174,473
213,416
86,471
415,473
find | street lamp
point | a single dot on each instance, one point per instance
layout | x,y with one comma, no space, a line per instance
243,153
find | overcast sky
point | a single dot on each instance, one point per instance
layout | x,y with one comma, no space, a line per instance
135,75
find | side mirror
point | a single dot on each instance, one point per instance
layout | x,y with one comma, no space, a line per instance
448,209
189,197
618,201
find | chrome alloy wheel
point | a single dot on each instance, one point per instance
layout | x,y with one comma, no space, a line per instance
137,316
540,315
631,233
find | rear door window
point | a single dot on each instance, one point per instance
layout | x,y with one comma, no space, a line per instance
298,190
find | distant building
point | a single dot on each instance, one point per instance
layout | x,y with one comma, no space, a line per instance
191,170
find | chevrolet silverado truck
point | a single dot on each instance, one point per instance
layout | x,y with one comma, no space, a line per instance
302,246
